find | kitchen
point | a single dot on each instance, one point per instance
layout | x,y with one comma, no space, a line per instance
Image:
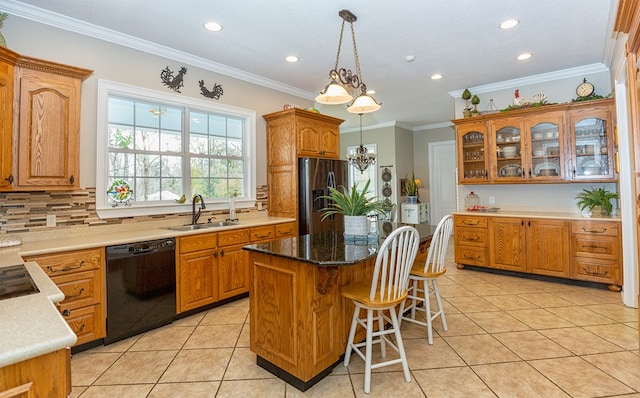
262,102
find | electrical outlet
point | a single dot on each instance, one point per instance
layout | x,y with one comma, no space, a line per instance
51,220
492,200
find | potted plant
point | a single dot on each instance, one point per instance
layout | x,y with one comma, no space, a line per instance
475,100
595,198
411,187
466,96
354,205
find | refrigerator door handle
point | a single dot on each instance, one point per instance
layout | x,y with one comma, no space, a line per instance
331,180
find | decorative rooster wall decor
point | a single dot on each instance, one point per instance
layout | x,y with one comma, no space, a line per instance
174,83
536,99
214,93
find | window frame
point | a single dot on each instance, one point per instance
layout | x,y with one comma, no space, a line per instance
104,207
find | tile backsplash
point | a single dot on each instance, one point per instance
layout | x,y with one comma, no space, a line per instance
27,211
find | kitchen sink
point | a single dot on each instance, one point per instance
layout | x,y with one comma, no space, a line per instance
194,227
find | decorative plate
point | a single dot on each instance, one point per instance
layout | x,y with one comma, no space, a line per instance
510,170
386,175
119,191
591,166
386,191
538,171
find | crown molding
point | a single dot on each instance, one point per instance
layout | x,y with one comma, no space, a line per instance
535,79
432,126
77,26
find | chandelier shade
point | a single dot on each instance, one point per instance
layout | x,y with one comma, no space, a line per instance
363,104
334,94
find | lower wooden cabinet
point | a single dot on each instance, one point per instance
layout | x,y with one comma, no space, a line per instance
47,375
79,274
471,241
233,266
595,250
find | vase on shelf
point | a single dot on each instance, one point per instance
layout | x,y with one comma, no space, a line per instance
412,199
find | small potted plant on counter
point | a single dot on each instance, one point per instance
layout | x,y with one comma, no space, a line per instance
411,186
355,206
596,200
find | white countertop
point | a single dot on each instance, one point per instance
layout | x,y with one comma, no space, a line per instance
537,214
31,325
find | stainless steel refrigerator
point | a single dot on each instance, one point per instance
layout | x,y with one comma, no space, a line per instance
314,178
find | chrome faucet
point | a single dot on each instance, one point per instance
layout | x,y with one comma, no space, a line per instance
195,216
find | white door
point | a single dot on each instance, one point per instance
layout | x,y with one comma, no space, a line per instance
442,179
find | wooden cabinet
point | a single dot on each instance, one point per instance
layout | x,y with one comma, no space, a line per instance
79,275
7,61
596,252
47,375
233,265
46,125
471,241
552,144
285,230
196,271
291,134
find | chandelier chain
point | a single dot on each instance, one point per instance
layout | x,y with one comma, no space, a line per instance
355,56
335,68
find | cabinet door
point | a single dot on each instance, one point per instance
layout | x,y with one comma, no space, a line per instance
6,109
548,247
282,168
329,141
544,147
233,271
507,139
507,243
308,137
49,123
592,144
473,159
197,279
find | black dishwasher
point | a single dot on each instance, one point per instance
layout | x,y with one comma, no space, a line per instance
141,287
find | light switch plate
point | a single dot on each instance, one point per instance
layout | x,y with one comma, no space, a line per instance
51,220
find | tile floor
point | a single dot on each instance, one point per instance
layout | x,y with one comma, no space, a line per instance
507,337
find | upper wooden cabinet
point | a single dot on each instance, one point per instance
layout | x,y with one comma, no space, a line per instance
551,144
45,118
291,134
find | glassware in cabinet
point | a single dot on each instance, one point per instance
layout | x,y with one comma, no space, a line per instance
546,153
507,136
472,161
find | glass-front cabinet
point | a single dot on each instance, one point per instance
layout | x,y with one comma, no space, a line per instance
472,153
508,164
592,145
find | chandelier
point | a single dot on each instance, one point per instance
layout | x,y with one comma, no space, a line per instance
361,159
341,79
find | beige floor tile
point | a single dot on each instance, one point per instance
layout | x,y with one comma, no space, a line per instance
531,345
480,349
466,278
245,336
517,380
421,355
137,367
472,304
329,387
77,391
580,316
580,341
243,366
510,302
118,346
356,364
617,334
263,388
579,378
454,290
545,300
387,384
86,368
485,289
458,325
581,297
226,315
460,382
198,365
624,366
540,319
215,336
617,312
185,390
168,338
519,288
495,322
192,320
111,391
632,325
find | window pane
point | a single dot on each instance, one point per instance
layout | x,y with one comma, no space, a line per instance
199,167
236,168
171,166
121,165
234,147
148,165
146,189
171,118
219,168
147,115
235,128
198,123
171,188
198,144
217,125
120,111
218,146
120,137
171,141
147,140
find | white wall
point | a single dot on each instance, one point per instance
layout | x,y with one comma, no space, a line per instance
120,64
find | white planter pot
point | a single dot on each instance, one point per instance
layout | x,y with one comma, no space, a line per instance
356,225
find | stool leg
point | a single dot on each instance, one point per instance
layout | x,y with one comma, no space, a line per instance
383,343
368,353
427,307
352,335
439,301
400,345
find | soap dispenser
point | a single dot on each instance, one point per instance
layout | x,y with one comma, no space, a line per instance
232,209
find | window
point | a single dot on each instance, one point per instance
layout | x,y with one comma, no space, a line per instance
369,174
166,145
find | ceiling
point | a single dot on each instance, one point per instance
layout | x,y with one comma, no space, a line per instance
458,38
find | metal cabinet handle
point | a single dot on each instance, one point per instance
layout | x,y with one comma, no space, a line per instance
468,239
215,254
72,179
222,253
66,267
74,295
593,231
468,222
10,178
66,312
470,257
265,236
595,273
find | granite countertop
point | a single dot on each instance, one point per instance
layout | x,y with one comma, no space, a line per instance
331,248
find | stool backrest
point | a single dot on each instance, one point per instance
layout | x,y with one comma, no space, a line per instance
393,264
439,243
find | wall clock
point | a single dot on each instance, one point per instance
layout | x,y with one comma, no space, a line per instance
585,89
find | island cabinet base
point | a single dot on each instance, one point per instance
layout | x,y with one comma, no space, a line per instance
47,375
299,320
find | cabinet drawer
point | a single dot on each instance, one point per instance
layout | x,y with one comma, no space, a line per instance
261,234
594,270
68,262
233,237
471,255
600,228
80,289
471,236
284,230
87,323
470,221
595,246
194,243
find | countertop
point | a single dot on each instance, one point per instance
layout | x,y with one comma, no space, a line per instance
31,325
537,214
331,248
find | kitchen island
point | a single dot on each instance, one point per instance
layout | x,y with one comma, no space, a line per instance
299,320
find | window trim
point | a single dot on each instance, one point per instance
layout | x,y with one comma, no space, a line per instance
103,206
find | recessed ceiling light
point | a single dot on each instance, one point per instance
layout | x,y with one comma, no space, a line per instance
524,56
371,92
291,58
213,26
409,58
437,76
509,23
